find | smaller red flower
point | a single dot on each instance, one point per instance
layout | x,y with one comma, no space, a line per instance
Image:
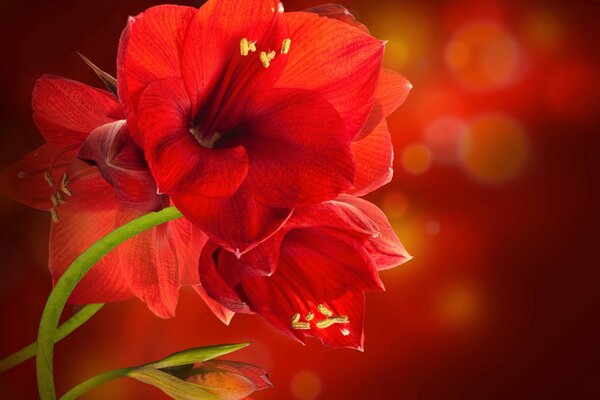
311,277
93,178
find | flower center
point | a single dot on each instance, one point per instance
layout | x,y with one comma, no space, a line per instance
328,321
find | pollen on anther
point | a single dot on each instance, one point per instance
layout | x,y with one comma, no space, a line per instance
64,185
309,317
54,200
264,59
48,177
324,310
244,47
285,46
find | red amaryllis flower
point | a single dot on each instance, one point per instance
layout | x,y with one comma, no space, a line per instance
245,112
310,278
89,199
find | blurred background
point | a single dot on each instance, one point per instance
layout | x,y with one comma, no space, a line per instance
495,194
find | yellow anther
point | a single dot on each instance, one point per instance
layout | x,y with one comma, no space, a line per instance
310,316
60,198
285,46
271,55
324,310
345,331
264,59
252,47
326,323
54,200
301,325
54,215
244,47
295,318
64,185
48,177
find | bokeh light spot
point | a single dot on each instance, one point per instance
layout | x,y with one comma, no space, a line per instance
496,148
445,136
306,385
432,228
544,30
483,55
416,159
459,304
395,205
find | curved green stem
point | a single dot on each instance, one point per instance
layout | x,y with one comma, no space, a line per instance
63,331
91,383
67,282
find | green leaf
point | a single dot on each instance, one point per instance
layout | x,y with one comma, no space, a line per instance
196,355
172,386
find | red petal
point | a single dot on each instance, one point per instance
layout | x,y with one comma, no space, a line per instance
392,91
165,121
121,162
24,181
373,157
150,49
315,268
238,223
214,284
292,162
150,265
384,247
75,232
211,52
223,313
340,62
189,242
66,111
338,12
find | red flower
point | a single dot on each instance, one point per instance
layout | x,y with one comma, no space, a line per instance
310,278
245,112
87,202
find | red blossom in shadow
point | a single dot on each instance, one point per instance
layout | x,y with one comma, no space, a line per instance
90,199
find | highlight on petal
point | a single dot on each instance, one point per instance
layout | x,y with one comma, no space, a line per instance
345,73
392,91
66,111
373,157
339,12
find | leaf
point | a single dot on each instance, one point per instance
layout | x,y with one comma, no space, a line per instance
195,355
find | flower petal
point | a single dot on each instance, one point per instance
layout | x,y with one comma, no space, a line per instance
66,111
315,269
121,162
211,54
25,180
384,247
392,91
149,50
373,157
298,148
223,313
238,223
165,121
339,12
336,60
76,231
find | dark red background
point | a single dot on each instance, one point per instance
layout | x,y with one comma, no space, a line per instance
501,299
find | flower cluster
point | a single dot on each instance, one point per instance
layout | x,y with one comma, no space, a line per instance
263,127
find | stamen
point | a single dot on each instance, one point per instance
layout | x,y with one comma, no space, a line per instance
54,215
285,46
54,200
296,324
244,47
64,185
324,310
48,177
60,198
345,331
252,47
266,58
310,316
326,323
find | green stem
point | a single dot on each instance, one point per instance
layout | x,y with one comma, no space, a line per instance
67,282
63,331
91,383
